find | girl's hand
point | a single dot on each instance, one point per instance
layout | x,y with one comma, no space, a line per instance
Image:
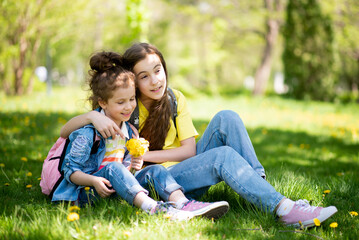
102,186
106,126
136,162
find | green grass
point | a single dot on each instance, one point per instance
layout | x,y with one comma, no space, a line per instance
305,147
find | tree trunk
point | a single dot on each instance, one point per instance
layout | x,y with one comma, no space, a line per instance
263,71
19,68
33,64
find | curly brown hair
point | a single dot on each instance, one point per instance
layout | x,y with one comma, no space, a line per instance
106,75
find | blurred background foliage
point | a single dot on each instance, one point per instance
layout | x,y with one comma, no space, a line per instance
214,47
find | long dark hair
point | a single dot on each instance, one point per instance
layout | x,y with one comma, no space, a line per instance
157,124
106,75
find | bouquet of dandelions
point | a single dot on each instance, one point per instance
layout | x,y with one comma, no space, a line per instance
137,147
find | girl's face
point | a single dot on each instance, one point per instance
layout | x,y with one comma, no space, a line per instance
151,78
121,105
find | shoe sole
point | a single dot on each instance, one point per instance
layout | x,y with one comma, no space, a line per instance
213,211
321,218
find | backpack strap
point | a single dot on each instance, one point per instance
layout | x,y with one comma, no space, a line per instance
135,117
173,101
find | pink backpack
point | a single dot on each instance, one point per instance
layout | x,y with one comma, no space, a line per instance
52,174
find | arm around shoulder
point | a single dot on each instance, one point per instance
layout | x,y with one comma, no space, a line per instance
75,123
104,125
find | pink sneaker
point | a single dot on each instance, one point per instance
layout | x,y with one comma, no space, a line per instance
304,214
205,209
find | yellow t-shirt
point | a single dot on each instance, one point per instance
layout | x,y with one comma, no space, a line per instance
185,128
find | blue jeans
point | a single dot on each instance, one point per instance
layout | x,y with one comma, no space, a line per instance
128,186
225,153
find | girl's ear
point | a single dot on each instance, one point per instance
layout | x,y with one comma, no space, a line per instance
102,103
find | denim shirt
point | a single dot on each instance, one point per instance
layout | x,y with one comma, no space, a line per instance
78,157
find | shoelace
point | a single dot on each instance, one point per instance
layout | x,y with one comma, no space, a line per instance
166,207
304,205
190,201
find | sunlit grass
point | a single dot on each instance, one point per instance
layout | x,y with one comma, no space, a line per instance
307,148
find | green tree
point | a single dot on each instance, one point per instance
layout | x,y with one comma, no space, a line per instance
308,52
346,18
26,25
273,22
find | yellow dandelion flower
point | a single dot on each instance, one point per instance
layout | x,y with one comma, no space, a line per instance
39,178
7,184
326,191
29,174
340,174
73,217
137,212
137,147
127,233
74,208
264,131
29,186
87,189
316,222
167,216
302,146
2,165
333,225
24,159
353,214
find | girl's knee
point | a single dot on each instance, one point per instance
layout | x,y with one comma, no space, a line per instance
228,115
115,166
224,153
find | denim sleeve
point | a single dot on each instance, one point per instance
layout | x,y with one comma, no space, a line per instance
77,154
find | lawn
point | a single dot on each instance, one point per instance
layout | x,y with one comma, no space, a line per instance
309,150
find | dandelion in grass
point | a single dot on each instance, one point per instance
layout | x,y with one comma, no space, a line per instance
29,186
29,174
2,166
127,233
87,189
39,178
74,208
353,214
339,174
23,159
333,225
264,131
73,217
316,222
7,184
326,191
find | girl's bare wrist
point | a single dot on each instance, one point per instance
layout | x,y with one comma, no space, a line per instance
90,116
